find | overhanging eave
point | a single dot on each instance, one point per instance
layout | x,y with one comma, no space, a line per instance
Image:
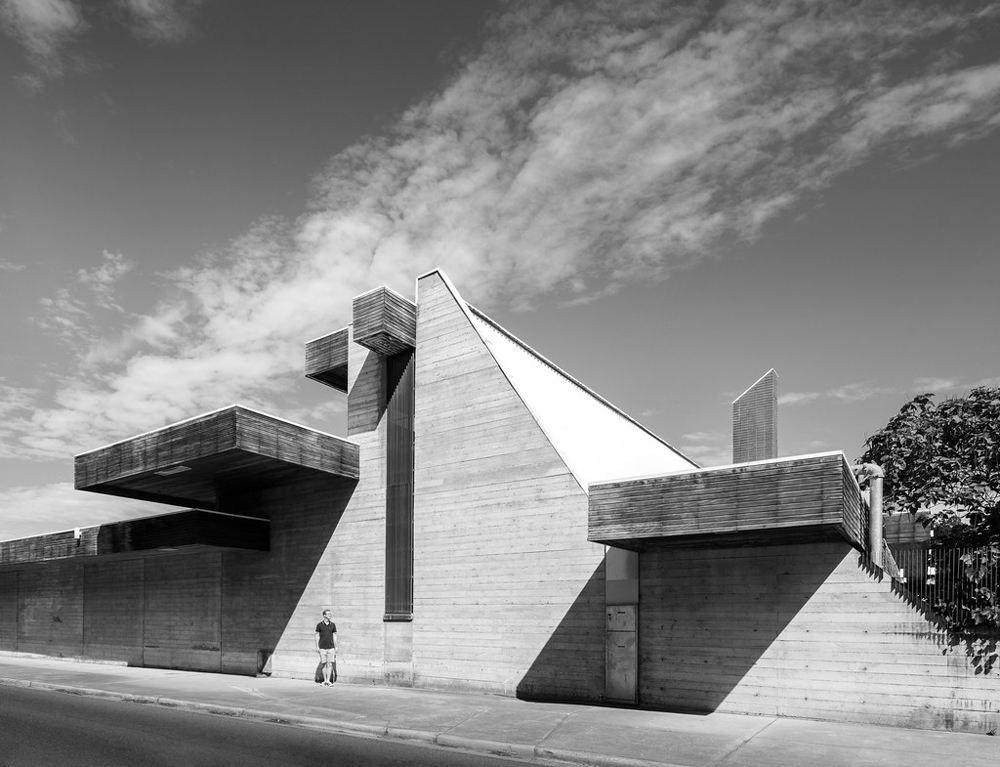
800,499
193,462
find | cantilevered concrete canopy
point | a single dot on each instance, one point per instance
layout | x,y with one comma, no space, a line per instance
326,359
786,500
384,321
193,462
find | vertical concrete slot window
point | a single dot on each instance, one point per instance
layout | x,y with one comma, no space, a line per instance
399,487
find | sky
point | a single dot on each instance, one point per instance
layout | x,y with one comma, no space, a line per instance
666,199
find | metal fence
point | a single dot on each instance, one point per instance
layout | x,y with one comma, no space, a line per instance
949,581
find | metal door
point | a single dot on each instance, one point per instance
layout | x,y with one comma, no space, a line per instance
622,654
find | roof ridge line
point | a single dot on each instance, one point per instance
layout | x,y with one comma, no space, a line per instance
558,370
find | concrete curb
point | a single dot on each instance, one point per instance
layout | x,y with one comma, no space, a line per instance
597,760
357,729
497,748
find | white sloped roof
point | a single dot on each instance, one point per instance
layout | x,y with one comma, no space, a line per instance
596,440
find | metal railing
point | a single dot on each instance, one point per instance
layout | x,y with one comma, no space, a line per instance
950,582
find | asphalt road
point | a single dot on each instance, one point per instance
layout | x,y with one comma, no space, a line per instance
41,727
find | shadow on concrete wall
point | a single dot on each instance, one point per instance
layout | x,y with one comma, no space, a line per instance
213,608
260,592
570,666
366,400
955,591
707,616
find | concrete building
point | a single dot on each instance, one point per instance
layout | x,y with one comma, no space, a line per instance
488,524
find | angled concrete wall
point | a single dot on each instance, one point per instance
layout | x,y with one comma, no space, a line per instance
508,593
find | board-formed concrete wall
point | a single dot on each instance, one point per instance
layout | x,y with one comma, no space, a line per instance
508,592
349,571
209,611
800,630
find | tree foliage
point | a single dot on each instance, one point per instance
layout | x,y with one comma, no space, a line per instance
943,459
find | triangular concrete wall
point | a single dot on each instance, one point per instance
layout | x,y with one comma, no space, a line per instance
508,592
596,440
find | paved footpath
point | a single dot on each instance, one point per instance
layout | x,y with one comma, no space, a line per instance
580,734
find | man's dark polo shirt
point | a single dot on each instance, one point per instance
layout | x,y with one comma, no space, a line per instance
326,632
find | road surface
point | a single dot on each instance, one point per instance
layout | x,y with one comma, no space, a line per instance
42,727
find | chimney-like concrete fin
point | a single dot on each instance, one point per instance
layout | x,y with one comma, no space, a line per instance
755,421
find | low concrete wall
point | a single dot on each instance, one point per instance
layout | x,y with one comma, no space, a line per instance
805,630
212,610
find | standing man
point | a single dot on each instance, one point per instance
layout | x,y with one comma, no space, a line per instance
326,646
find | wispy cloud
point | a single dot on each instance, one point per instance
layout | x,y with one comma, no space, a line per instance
584,147
162,20
10,266
102,280
44,28
847,394
65,509
15,401
69,314
859,392
932,384
708,448
950,386
53,32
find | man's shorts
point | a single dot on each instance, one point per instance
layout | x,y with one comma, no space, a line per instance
327,655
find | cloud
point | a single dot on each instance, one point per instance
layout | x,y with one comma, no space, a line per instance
10,266
582,148
54,33
62,123
936,385
859,392
44,28
931,384
846,394
65,508
706,436
14,400
586,149
70,313
162,20
102,279
708,448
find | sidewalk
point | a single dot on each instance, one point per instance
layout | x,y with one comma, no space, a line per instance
580,734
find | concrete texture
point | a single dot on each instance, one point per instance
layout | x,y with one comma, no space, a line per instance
590,735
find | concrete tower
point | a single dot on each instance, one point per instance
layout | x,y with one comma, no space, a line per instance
755,421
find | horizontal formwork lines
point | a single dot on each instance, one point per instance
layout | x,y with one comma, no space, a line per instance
750,643
875,709
889,682
803,500
802,630
506,445
833,690
784,494
775,662
561,565
520,491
